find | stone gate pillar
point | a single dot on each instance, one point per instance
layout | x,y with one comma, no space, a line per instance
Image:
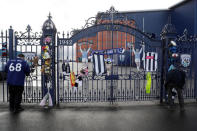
48,43
168,33
11,43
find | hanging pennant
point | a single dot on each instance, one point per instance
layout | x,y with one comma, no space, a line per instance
72,79
148,83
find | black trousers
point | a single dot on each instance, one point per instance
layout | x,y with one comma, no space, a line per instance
180,95
15,98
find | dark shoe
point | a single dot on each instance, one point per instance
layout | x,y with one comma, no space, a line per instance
171,108
11,109
182,109
21,109
17,110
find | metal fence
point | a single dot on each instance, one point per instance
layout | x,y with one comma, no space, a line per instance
122,81
4,51
117,43
187,48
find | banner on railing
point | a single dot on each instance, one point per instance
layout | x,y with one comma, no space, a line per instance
108,51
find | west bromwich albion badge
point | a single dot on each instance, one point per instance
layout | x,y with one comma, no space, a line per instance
185,60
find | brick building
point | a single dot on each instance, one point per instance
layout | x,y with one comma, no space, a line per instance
103,40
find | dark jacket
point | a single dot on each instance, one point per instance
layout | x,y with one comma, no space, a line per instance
16,70
176,78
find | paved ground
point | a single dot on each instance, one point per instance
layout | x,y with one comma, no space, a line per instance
138,117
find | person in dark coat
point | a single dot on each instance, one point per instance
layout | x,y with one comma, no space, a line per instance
175,79
16,70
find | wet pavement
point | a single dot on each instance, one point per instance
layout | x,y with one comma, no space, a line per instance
148,117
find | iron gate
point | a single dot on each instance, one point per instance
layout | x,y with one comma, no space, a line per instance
186,50
29,43
113,39
4,42
122,81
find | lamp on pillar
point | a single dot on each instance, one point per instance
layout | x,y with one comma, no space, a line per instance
49,26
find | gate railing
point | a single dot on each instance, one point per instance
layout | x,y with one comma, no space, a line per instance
116,86
186,48
29,43
4,57
123,83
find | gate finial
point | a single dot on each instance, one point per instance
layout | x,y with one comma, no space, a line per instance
112,9
169,28
67,34
28,28
111,12
185,32
49,15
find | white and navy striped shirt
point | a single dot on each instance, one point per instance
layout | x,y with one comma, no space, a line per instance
150,61
99,64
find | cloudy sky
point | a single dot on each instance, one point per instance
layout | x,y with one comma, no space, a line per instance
66,14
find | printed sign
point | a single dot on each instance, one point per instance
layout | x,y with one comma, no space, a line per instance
185,60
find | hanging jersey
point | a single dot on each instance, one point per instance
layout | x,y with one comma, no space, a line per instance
66,67
150,61
99,64
16,70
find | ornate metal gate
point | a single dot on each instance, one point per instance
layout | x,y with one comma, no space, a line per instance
115,38
108,60
39,51
186,49
29,44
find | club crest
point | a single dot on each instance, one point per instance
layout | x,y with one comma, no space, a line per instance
185,60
